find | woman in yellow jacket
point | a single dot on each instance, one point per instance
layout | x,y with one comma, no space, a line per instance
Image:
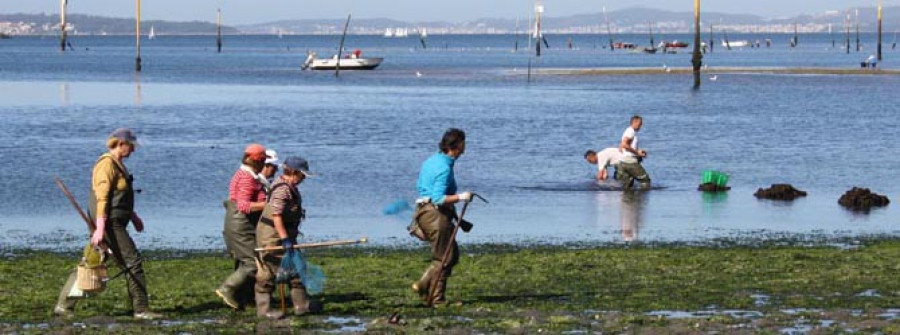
112,208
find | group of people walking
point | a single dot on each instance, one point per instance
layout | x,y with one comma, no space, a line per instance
262,211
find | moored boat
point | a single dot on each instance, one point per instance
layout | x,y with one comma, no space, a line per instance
353,62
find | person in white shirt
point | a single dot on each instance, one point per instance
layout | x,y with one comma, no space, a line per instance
603,159
630,168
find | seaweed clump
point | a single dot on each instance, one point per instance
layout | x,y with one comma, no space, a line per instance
862,199
785,192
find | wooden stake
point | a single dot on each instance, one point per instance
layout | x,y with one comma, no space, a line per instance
137,37
62,25
879,30
697,59
219,30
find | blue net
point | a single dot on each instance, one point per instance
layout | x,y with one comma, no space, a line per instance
396,207
293,265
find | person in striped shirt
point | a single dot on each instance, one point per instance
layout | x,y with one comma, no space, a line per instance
246,200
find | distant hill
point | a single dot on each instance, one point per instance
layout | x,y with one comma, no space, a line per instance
630,20
41,24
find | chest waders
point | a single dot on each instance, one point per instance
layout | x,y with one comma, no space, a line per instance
240,238
118,214
291,215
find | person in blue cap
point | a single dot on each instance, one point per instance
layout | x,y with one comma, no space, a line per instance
111,207
279,225
435,213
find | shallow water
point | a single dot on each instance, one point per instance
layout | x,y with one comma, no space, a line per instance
366,133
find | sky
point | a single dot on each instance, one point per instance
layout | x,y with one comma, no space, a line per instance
260,11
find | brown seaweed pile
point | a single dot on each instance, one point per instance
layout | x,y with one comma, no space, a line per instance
861,199
785,192
712,187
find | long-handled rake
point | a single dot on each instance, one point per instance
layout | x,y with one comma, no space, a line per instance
281,286
446,257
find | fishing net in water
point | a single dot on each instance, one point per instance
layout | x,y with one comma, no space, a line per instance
293,265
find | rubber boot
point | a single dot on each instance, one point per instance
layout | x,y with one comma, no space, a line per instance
302,303
229,288
439,300
422,286
263,303
65,305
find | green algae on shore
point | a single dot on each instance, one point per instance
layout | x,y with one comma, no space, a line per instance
503,289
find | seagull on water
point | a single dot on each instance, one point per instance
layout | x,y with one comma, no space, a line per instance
713,77
418,74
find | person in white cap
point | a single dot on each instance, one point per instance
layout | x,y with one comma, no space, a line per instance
269,170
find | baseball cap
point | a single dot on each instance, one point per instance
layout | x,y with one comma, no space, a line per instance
271,157
298,164
124,134
256,152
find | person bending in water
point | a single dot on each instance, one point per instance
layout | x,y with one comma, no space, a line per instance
603,159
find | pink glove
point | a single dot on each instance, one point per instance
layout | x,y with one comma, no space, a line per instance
97,237
138,223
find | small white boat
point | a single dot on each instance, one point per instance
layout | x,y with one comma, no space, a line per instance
353,62
152,35
736,44
388,32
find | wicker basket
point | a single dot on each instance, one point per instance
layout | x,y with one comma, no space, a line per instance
92,279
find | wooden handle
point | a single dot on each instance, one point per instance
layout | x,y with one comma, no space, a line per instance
316,245
65,190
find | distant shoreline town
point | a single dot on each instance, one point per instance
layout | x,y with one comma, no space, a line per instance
633,20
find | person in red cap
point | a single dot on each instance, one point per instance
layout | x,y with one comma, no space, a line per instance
246,200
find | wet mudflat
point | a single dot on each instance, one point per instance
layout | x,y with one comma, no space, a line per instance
771,287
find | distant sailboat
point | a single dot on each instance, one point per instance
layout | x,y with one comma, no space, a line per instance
152,34
388,32
424,33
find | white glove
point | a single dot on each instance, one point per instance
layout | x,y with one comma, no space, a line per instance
465,196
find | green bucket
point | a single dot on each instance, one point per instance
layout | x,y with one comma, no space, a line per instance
709,176
721,179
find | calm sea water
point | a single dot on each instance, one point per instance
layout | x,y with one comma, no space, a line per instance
366,133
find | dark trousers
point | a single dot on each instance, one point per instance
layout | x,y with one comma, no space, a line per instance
124,249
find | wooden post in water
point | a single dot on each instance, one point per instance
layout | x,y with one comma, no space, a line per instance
697,59
796,39
137,37
831,34
879,30
538,10
337,66
847,25
711,42
62,25
516,48
857,30
219,30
